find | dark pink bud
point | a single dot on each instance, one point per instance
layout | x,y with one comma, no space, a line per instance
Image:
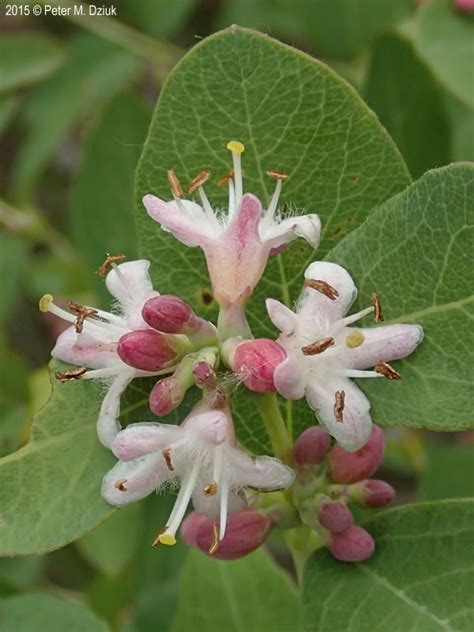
190,528
352,545
167,313
335,516
377,493
350,467
166,395
245,531
255,362
464,6
311,446
145,349
204,376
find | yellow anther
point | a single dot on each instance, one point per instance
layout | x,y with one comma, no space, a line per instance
45,302
167,538
355,339
235,147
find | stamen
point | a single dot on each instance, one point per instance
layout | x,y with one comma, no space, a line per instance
108,264
224,181
46,304
377,308
277,175
354,339
180,506
198,181
387,371
74,374
81,312
357,373
237,149
224,501
175,184
156,541
322,287
318,347
210,489
167,457
215,542
348,320
120,485
272,207
207,206
339,406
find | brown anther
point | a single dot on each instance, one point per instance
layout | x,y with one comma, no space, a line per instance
175,184
377,308
339,406
167,457
276,174
215,540
156,541
387,371
210,489
198,181
120,485
74,374
318,347
223,182
106,266
82,313
322,287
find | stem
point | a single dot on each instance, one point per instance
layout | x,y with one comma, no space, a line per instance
231,323
270,412
302,542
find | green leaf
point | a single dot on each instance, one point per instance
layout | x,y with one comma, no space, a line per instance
102,199
446,40
157,17
423,551
94,70
249,594
12,262
8,108
47,612
449,472
462,127
414,250
406,97
25,58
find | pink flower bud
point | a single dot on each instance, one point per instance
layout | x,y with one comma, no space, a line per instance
350,467
377,493
311,446
166,395
255,361
145,349
167,313
190,528
335,516
245,531
204,376
464,6
352,545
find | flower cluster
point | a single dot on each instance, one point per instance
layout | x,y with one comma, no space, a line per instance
316,355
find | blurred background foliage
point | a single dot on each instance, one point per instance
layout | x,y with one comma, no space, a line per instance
76,97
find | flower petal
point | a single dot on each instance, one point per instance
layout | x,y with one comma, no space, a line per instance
354,431
212,427
281,316
83,350
108,424
131,286
314,304
259,472
381,344
289,378
128,481
143,438
191,227
209,505
306,226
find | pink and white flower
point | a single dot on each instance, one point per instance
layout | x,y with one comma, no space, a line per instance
324,352
237,244
202,455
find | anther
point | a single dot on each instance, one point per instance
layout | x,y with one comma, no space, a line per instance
210,489
167,457
120,485
110,261
318,347
82,313
175,184
377,308
224,181
387,371
157,541
215,540
322,287
339,406
198,181
74,374
276,174
235,147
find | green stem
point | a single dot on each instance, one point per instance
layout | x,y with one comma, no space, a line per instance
270,412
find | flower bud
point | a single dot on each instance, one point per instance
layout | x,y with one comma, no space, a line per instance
335,516
350,467
190,528
167,313
464,6
311,446
352,545
372,493
245,531
145,349
204,376
166,395
255,361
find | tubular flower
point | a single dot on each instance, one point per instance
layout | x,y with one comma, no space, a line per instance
201,455
92,340
324,352
237,244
